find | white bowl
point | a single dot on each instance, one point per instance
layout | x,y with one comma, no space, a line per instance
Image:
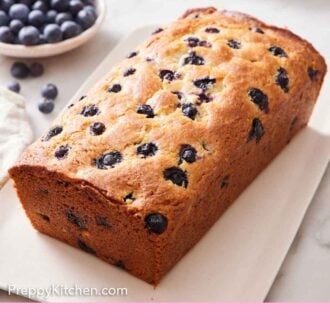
47,50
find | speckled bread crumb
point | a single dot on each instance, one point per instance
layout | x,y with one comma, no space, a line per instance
139,169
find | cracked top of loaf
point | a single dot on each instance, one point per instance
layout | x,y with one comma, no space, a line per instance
165,122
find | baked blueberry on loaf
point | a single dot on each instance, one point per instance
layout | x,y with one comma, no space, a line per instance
141,167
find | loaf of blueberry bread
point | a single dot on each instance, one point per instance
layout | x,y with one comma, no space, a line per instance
138,170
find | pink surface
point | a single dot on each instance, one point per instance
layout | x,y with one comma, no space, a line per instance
165,316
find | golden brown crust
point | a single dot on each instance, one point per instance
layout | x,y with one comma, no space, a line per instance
234,134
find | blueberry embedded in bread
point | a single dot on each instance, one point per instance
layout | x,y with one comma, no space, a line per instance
115,88
224,183
189,110
177,176
204,83
146,150
146,109
212,30
156,223
129,72
62,152
256,29
90,110
108,160
234,44
282,79
56,130
193,59
278,51
97,128
166,75
257,130
75,220
312,73
258,97
85,247
187,153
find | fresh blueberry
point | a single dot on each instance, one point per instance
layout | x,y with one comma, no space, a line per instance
146,150
70,29
91,9
76,6
6,35
189,110
53,33
19,70
40,5
108,160
53,132
36,69
14,87
4,20
36,18
49,91
51,16
15,25
42,40
63,17
86,18
282,79
26,2
257,130
156,223
204,83
193,59
19,11
115,88
29,36
277,51
177,176
88,2
188,153
259,98
90,110
97,128
60,5
46,106
6,4
146,109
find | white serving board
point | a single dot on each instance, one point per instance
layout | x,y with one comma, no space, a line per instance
237,260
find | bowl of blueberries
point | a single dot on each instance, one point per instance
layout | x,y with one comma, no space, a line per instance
43,28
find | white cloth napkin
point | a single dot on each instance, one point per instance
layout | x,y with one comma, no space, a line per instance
15,130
